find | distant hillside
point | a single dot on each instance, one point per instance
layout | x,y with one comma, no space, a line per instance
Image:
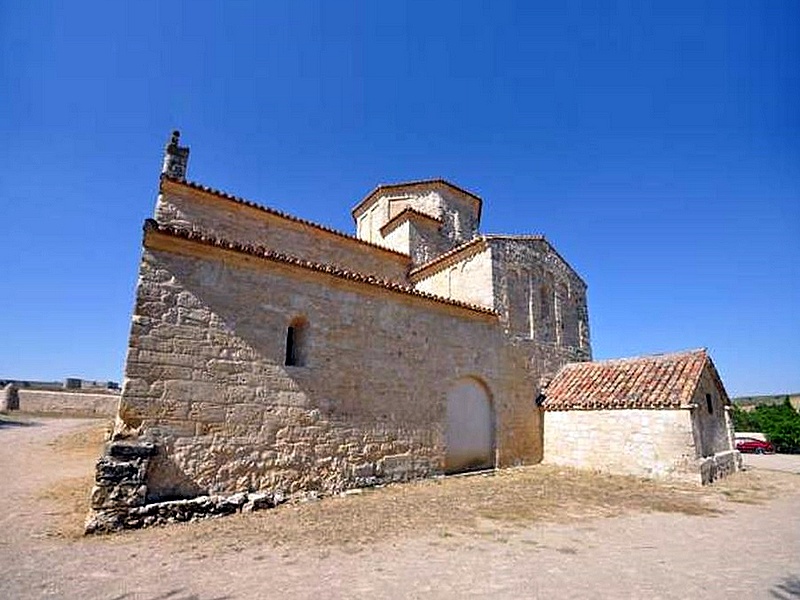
750,402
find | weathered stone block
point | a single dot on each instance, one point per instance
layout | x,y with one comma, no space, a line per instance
131,449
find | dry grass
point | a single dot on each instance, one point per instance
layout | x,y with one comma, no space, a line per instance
83,442
69,504
68,498
755,487
485,504
496,504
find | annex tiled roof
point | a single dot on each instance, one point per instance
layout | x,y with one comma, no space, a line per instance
658,381
151,225
230,197
384,187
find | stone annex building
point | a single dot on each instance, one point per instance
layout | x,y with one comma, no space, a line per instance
271,357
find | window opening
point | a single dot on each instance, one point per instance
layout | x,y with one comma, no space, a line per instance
291,355
296,343
709,404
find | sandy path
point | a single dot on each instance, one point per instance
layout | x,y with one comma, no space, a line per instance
744,551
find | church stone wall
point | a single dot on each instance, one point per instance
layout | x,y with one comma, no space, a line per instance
206,379
538,295
369,223
458,215
399,238
460,220
468,279
426,241
181,206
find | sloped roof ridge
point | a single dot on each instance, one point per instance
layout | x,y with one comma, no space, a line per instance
267,254
414,211
632,359
516,236
407,213
537,237
440,180
446,255
278,213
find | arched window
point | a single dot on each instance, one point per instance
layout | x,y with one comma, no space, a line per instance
296,343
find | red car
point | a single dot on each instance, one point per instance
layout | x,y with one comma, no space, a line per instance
754,445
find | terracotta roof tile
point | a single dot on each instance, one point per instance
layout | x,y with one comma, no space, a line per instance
151,225
658,381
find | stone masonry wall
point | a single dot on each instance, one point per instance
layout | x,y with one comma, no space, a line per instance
713,430
646,443
508,265
68,403
205,378
458,216
468,280
185,207
460,221
538,295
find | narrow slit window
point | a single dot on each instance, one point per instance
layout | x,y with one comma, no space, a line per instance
296,343
709,404
291,347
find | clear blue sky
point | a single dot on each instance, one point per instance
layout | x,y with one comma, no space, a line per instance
657,147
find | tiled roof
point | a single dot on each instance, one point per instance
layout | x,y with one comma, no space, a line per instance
658,381
421,182
151,225
408,213
224,195
421,272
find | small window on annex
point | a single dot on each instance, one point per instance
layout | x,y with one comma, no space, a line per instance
709,404
296,343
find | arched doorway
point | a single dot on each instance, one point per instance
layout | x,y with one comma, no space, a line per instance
470,427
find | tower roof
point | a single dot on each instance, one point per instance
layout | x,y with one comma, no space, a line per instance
411,186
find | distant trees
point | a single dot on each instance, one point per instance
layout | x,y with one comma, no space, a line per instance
780,423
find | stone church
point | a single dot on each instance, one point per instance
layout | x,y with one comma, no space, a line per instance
272,357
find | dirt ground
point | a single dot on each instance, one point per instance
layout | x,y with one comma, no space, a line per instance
532,532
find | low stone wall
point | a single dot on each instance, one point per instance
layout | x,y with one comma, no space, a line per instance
720,465
76,404
647,443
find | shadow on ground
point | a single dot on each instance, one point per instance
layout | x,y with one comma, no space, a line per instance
788,589
179,594
6,421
